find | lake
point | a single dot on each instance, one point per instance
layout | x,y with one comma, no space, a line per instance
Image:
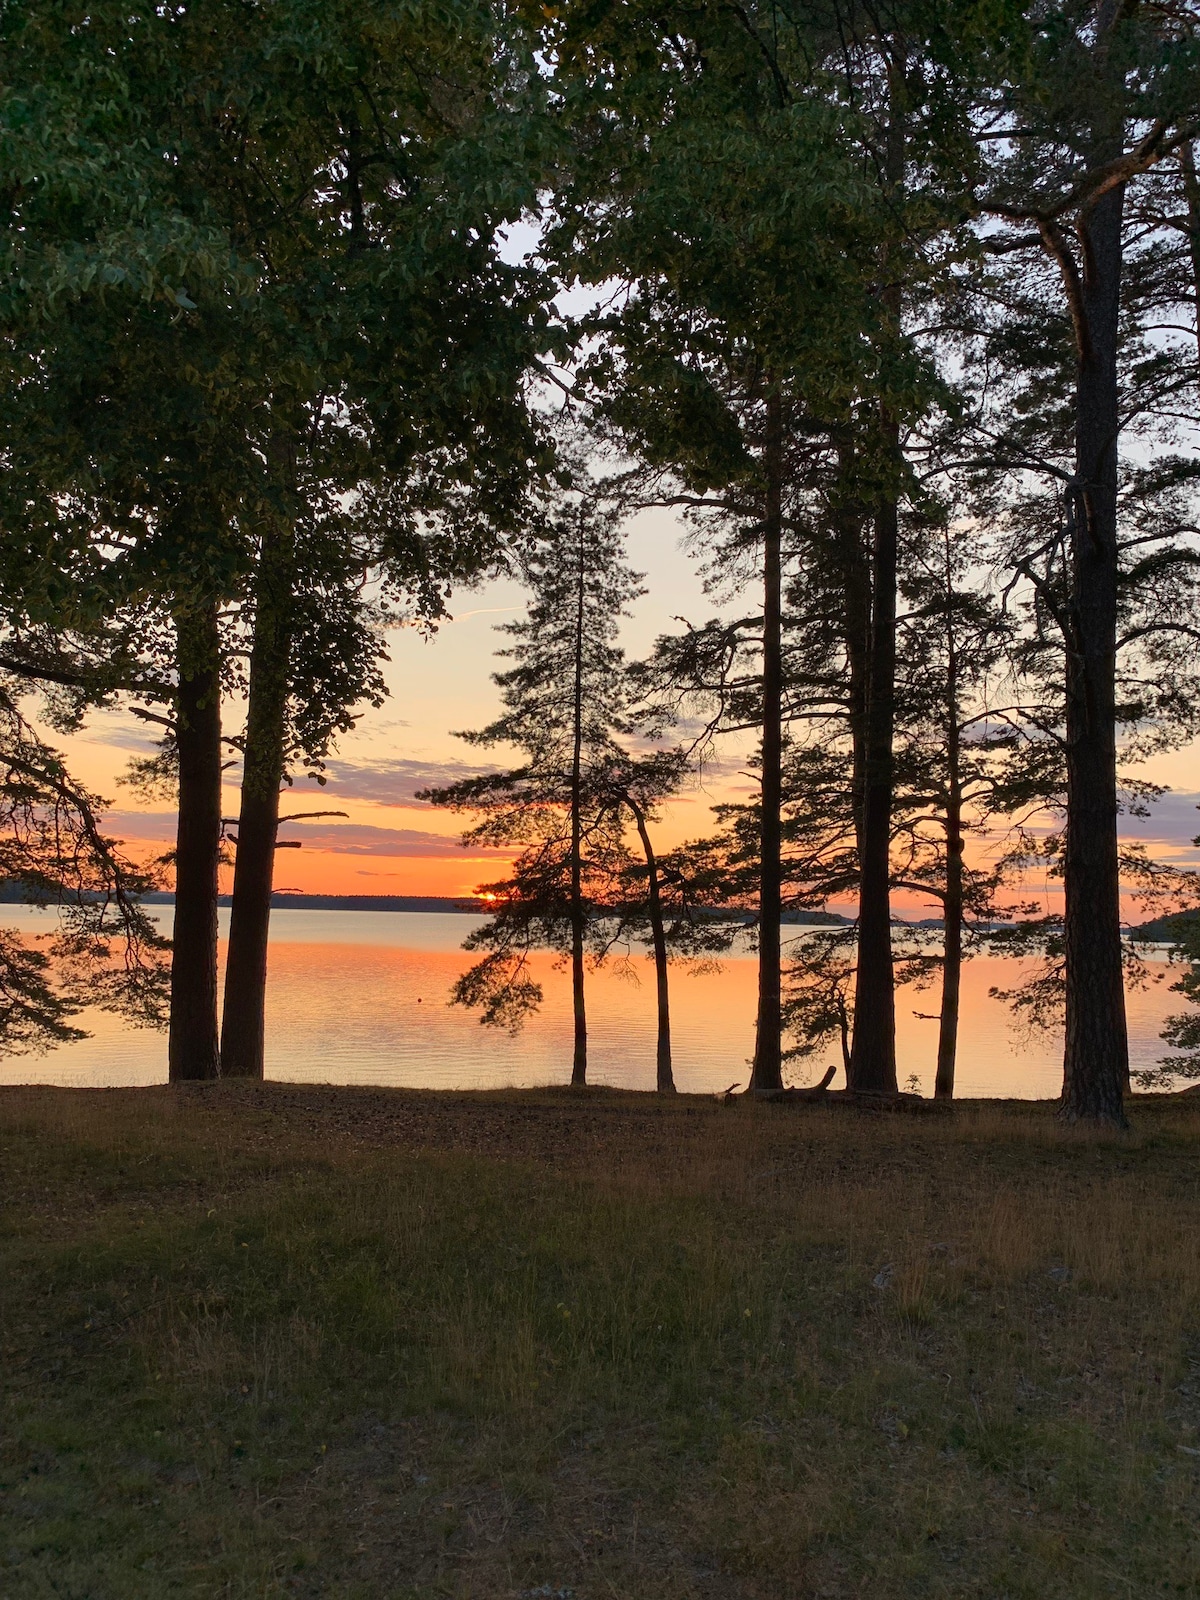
361,997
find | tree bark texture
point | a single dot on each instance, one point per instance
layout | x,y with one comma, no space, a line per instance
855,566
952,907
766,1077
192,1047
1096,1058
1191,195
578,914
873,1050
665,1080
952,946
856,581
243,1024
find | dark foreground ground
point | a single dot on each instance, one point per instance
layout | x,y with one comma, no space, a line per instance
331,1342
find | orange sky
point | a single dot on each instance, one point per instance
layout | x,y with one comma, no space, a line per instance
391,844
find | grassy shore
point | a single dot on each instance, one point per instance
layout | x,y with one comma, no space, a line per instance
347,1343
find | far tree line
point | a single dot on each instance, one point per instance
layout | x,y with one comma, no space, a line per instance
897,306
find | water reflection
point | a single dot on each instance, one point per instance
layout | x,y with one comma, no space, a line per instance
361,997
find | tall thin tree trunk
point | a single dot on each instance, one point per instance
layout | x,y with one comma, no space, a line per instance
192,1050
766,1076
952,913
943,1087
665,1077
1096,1059
1191,195
873,1051
856,584
952,946
579,1059
243,1020
856,587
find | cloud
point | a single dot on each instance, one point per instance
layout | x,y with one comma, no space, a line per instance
346,839
119,734
1174,820
388,782
1168,831
359,839
156,825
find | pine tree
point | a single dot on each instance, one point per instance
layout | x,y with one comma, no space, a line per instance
770,185
1097,97
653,892
566,701
961,767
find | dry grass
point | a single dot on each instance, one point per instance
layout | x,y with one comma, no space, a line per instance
284,1341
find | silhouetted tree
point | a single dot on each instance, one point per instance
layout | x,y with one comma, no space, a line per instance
53,852
651,894
566,700
1091,98
304,305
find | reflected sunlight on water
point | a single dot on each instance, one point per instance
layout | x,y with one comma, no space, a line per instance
361,997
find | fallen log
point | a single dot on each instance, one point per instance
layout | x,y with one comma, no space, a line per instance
901,1101
821,1094
818,1091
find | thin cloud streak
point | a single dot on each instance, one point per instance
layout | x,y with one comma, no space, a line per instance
348,839
392,781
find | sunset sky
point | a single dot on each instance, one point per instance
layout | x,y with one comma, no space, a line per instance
391,843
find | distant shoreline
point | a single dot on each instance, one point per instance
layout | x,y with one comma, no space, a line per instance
350,902
1161,930
283,901
459,905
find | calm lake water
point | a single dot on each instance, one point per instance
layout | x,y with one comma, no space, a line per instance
362,997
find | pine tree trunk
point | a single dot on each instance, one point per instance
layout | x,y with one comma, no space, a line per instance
665,1077
192,1050
1096,1059
1191,195
579,1058
952,911
856,577
952,944
766,1077
244,1020
856,585
873,1050
578,1005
